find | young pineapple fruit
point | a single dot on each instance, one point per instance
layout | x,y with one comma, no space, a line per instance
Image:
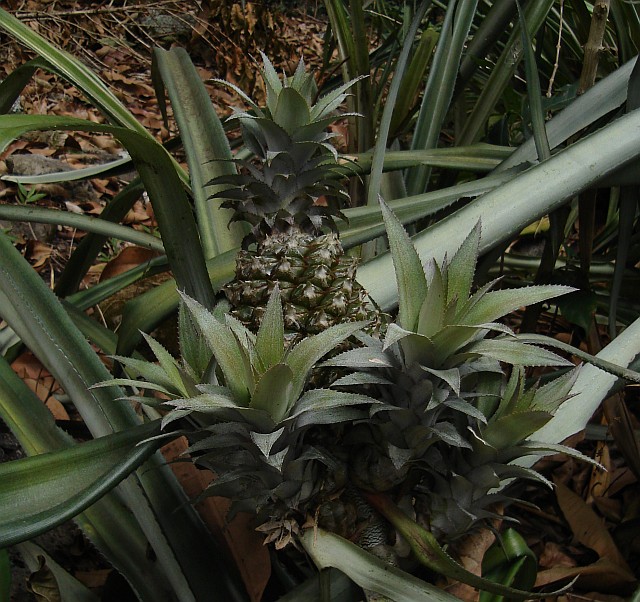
288,193
243,401
459,422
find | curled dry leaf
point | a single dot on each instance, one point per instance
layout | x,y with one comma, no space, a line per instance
610,572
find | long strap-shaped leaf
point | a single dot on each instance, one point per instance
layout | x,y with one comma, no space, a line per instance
328,550
206,146
518,202
182,545
74,71
41,215
163,184
40,492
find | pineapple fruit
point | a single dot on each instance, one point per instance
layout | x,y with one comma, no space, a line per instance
288,193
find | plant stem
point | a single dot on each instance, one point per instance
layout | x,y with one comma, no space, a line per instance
594,46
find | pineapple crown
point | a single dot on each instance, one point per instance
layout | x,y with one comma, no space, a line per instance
294,161
242,400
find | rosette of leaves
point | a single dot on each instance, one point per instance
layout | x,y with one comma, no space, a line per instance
460,419
243,403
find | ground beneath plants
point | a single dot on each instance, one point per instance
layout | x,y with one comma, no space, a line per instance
589,524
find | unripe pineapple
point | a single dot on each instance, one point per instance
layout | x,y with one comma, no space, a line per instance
289,193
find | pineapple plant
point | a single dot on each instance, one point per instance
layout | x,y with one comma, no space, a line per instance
243,401
288,193
459,421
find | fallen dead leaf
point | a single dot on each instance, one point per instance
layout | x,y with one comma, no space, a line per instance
128,258
553,557
243,542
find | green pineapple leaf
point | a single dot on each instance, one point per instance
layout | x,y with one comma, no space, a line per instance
512,429
272,83
194,350
332,100
549,397
270,345
152,374
265,441
227,350
274,392
462,267
412,282
431,318
292,111
304,356
496,304
511,352
140,384
170,366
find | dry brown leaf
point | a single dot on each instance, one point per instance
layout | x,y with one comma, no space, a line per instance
57,409
29,368
128,258
470,553
602,575
553,557
600,479
243,542
587,526
611,572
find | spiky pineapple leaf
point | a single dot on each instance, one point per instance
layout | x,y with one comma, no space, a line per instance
360,378
598,362
292,111
450,434
361,357
454,336
272,82
316,400
462,267
168,363
193,348
140,384
270,338
303,357
432,312
217,404
529,448
512,429
266,441
450,376
410,276
332,100
549,397
226,349
466,408
273,393
511,352
152,373
496,304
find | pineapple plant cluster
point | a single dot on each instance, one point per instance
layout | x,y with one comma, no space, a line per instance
434,412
